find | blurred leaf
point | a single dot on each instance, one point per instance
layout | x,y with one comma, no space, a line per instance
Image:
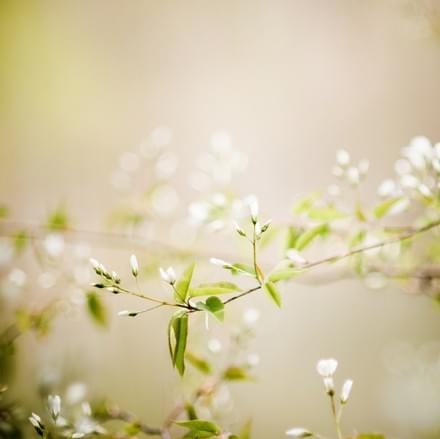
327,213
23,320
284,274
4,211
57,219
291,236
183,284
20,240
199,363
96,308
235,373
245,432
356,238
310,234
213,289
272,292
215,306
384,206
305,203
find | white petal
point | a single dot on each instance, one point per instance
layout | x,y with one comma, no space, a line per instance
327,367
346,389
299,432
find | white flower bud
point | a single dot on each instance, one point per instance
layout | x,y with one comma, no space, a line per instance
239,230
54,403
327,367
329,385
258,229
134,265
220,262
346,389
252,203
123,313
353,175
96,266
299,432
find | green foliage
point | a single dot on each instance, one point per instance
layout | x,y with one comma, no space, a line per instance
235,373
199,363
370,436
182,285
199,428
307,237
215,288
177,339
214,306
96,308
384,206
272,292
20,239
57,219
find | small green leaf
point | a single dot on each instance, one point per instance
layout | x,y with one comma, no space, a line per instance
4,211
200,426
283,274
310,234
239,268
57,219
235,373
213,289
215,306
384,206
190,411
96,308
199,363
180,328
183,284
272,292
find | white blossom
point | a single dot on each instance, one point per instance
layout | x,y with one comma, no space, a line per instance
327,367
124,313
346,389
299,432
252,203
54,244
329,385
168,275
251,316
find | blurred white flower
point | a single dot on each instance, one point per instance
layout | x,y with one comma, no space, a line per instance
166,165
129,162
346,389
75,393
327,367
214,345
54,244
252,203
6,252
299,432
17,277
295,256
342,158
353,175
124,313
251,316
329,385
387,188
161,136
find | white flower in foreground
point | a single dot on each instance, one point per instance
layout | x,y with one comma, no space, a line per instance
134,265
168,275
54,403
220,262
295,256
124,313
299,432
327,367
346,389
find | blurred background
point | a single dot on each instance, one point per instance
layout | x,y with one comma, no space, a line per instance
288,83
